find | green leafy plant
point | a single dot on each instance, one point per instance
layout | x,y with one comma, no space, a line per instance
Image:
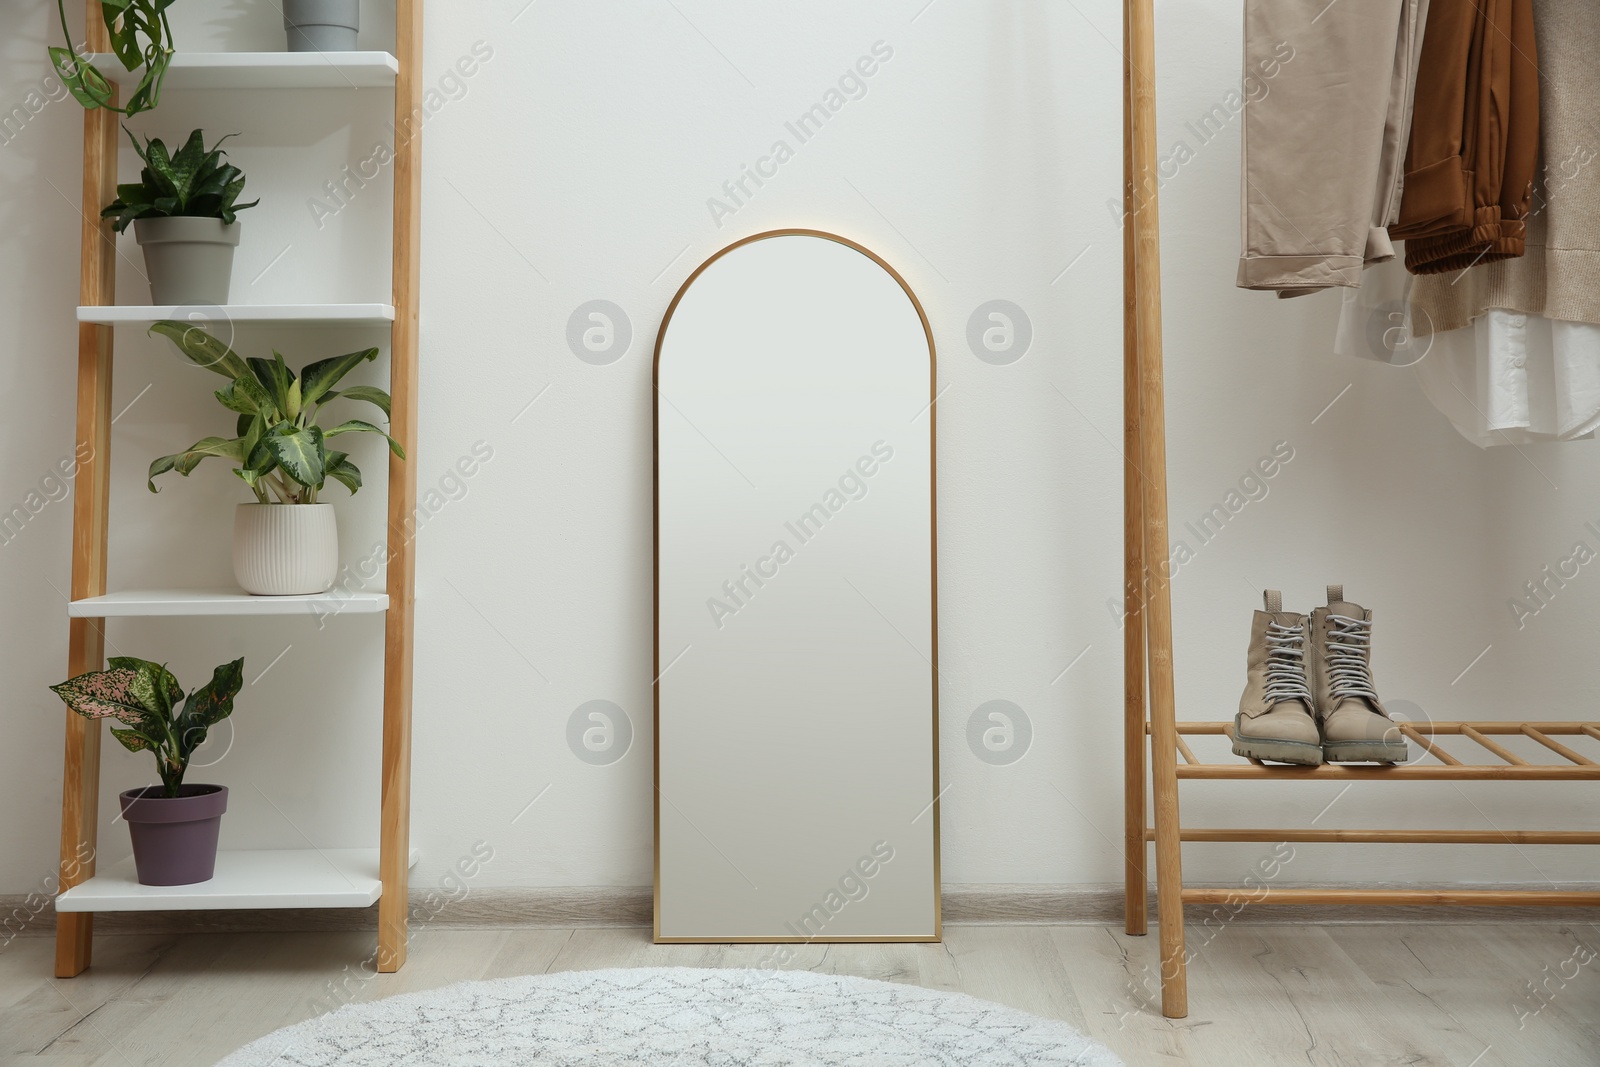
145,698
279,446
139,34
195,183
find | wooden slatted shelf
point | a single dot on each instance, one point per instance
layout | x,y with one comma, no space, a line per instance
1505,766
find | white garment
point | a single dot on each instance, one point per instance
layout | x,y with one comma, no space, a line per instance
1514,378
1509,378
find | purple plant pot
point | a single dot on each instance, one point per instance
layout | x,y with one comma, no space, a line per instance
175,838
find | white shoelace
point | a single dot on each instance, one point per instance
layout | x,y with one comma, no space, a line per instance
1286,664
1349,672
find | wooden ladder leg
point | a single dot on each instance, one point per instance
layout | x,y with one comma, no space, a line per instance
1134,848
1153,462
394,859
80,788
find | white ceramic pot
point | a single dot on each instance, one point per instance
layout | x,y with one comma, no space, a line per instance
285,549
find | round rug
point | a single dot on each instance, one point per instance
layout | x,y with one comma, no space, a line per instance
678,1016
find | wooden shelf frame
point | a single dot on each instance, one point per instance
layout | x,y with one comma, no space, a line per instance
91,499
1148,698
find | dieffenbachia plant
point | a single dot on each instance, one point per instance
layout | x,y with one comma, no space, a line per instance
155,715
280,448
139,34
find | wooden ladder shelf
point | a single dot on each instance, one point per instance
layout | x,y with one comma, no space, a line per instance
332,880
1149,705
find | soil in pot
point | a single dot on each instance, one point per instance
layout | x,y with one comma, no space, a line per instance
175,838
322,25
189,260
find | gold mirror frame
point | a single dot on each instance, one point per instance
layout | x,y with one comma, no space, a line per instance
655,576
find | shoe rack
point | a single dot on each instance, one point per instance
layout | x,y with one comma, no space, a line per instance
1149,711
245,879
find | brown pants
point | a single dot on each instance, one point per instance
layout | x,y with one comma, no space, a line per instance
1323,149
1475,139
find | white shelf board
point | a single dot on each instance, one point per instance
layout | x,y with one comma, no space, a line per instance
224,602
263,70
265,878
286,314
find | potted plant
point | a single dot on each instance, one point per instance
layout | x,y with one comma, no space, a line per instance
286,543
139,34
322,25
183,213
173,826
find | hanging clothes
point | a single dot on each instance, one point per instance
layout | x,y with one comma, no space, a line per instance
1324,143
1521,337
1474,138
1509,378
1559,276
1512,378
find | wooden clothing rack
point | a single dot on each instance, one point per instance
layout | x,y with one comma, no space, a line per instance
1147,647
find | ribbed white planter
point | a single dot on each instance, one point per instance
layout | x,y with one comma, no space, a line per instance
285,549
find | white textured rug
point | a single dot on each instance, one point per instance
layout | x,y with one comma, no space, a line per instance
677,1016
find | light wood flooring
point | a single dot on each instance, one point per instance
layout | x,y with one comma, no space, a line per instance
1435,995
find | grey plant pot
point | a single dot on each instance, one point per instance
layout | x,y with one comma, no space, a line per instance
189,260
175,838
322,25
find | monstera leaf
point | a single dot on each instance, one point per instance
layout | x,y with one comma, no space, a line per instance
139,34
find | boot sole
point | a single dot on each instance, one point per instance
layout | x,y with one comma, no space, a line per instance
1366,752
1303,753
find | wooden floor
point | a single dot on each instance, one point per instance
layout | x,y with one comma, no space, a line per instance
1451,996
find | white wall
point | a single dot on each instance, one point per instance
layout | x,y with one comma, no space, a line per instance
575,164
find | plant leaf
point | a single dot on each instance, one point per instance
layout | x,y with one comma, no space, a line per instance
275,376
187,460
341,469
223,447
133,740
104,694
202,349
299,450
246,396
208,705
151,690
86,84
370,393
158,467
357,426
323,375
171,691
186,164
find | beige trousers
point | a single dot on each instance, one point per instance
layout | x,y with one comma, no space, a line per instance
1324,148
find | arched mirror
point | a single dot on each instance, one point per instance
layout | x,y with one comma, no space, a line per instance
796,640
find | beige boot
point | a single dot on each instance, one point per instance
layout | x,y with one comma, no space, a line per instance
1355,726
1274,720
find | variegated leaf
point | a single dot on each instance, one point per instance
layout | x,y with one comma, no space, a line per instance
104,694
